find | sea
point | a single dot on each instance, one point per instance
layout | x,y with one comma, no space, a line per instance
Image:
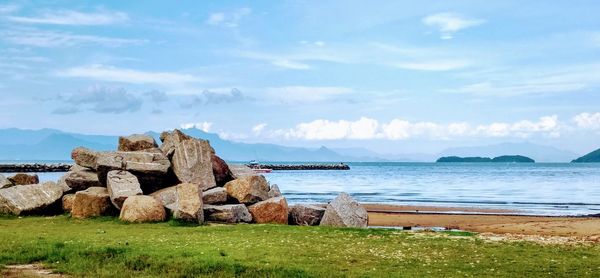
571,189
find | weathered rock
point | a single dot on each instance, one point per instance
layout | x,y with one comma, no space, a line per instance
82,179
305,215
67,202
121,185
151,167
274,191
4,182
344,211
30,199
62,183
24,179
221,171
274,210
140,209
240,170
171,139
192,163
136,142
84,157
217,195
92,202
248,189
227,213
184,201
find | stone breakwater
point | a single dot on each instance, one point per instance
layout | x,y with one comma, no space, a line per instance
280,167
181,179
36,167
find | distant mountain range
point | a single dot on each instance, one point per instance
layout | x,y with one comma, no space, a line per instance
52,144
590,157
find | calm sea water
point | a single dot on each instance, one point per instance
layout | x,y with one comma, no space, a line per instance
540,188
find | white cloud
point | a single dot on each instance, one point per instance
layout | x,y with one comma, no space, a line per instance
69,17
398,129
290,64
304,94
258,129
588,120
204,126
108,73
230,20
441,65
449,23
39,38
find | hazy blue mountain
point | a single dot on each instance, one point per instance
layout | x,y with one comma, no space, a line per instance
539,153
590,157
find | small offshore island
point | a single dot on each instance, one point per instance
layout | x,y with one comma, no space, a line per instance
503,159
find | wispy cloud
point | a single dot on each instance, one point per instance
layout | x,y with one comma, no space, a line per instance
101,99
450,23
441,65
208,97
304,94
228,19
7,9
43,38
70,17
109,73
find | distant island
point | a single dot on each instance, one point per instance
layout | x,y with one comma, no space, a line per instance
590,157
503,158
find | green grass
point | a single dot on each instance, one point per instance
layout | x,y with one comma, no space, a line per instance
104,247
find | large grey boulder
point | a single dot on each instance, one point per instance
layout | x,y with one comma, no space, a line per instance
274,210
192,163
91,202
227,213
141,209
4,182
84,157
305,215
171,139
248,189
82,179
136,142
184,201
344,211
24,179
274,191
121,185
151,167
29,199
217,195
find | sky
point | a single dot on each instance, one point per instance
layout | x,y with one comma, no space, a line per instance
388,76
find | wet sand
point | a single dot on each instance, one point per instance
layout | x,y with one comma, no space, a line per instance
482,221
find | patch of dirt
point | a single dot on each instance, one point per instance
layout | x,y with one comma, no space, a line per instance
28,271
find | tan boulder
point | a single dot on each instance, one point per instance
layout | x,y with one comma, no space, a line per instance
121,185
24,179
92,202
136,142
217,195
248,189
184,201
67,202
30,199
227,213
344,211
274,210
192,163
141,209
4,182
274,191
85,157
171,139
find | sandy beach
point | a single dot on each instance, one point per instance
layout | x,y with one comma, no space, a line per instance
482,221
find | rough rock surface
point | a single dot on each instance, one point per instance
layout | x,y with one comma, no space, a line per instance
4,182
184,201
136,142
274,191
221,171
274,210
227,213
305,215
217,195
151,167
171,139
82,179
24,179
344,211
248,189
140,209
29,199
91,202
192,163
85,157
67,202
121,185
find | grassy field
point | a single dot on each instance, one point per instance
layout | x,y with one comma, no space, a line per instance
105,247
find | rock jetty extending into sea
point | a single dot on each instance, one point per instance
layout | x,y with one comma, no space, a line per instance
36,167
182,179
277,167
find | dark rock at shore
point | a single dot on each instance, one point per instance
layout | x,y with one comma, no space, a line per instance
227,213
305,215
221,171
24,179
136,142
344,211
30,199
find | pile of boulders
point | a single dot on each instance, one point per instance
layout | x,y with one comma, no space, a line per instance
181,179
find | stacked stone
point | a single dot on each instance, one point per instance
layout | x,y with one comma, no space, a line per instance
182,179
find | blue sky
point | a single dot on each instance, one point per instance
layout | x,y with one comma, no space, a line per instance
390,76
